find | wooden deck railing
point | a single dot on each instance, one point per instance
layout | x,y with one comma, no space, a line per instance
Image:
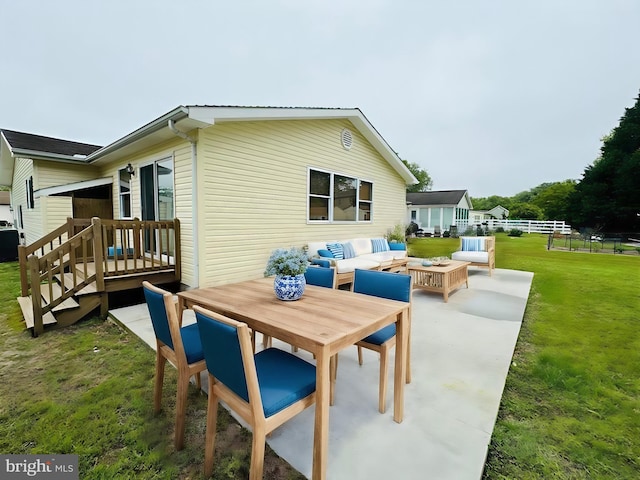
64,262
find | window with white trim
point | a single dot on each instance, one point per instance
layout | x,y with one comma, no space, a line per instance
31,203
339,198
124,188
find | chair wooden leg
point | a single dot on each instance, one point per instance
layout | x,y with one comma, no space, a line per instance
360,355
210,435
257,452
198,381
384,360
181,408
157,389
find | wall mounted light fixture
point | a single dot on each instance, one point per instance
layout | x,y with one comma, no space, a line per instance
130,170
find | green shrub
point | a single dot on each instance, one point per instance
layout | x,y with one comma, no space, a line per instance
514,232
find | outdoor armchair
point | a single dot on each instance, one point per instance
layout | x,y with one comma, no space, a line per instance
265,389
393,286
180,345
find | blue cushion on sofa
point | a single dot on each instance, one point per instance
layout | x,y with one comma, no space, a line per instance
379,245
348,250
325,253
336,249
397,246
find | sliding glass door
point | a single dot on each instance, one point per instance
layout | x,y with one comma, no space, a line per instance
157,194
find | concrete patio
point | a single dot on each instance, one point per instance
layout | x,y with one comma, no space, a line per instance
460,357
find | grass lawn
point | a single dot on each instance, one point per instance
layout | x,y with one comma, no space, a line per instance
571,407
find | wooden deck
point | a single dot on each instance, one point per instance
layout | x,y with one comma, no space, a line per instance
72,270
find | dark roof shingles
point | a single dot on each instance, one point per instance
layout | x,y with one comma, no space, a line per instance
39,143
441,197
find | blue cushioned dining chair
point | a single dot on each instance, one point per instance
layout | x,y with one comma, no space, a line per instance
321,276
394,286
265,389
180,345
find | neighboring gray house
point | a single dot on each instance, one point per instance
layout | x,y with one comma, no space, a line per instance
437,211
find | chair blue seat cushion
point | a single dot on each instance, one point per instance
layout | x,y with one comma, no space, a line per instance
283,378
382,335
192,344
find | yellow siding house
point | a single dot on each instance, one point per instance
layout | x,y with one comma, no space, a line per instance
241,180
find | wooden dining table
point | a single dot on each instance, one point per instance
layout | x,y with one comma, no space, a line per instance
324,322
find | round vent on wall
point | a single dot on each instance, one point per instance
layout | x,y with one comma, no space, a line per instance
347,139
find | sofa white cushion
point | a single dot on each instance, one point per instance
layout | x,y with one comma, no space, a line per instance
313,248
383,258
475,257
398,254
361,246
348,265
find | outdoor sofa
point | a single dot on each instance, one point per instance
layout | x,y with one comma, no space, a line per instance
363,253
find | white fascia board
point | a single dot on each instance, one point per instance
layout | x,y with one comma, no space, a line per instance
155,125
72,187
37,155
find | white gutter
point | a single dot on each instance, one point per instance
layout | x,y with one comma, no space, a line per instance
194,196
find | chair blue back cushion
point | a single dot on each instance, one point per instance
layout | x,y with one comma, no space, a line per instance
283,378
321,262
191,343
394,286
159,319
222,354
322,277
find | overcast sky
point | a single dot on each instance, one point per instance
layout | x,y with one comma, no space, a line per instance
493,96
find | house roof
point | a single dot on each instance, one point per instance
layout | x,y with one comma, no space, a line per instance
438,197
180,121
20,141
183,119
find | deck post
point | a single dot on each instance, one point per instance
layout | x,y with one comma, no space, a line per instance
36,296
177,256
24,270
98,253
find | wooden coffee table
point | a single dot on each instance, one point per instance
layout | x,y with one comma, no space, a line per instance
440,279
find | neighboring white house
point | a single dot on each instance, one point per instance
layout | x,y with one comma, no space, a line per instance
477,217
437,211
241,180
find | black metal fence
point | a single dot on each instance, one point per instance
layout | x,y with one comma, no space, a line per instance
614,243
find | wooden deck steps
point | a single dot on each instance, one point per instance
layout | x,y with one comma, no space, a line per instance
26,305
57,293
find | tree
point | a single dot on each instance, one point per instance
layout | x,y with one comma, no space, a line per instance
608,196
553,199
487,203
525,211
424,180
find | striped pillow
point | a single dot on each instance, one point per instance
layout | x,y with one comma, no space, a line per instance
348,250
379,245
336,249
473,244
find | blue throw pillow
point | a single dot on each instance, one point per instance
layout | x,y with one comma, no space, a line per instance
336,249
325,253
397,246
379,245
348,251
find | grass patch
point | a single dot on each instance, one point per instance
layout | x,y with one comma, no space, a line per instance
571,406
88,390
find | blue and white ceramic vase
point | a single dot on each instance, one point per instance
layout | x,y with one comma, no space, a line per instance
289,287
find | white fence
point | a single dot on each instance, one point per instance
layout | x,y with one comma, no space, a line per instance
530,226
